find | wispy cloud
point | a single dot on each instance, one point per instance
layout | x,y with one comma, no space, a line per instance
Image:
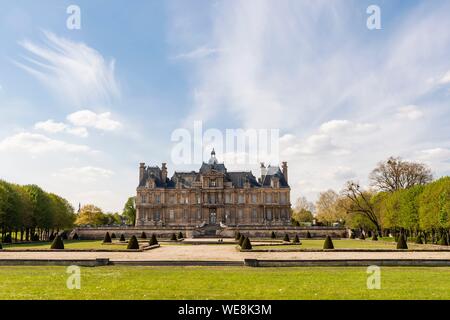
198,53
87,174
88,118
71,70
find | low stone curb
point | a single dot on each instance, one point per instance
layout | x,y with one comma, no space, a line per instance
348,263
70,250
344,250
151,247
175,263
55,262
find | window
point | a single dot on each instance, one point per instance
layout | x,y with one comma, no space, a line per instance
212,198
156,216
240,214
227,198
185,215
172,199
241,198
254,198
158,198
199,199
269,198
143,198
227,216
199,214
283,198
171,215
254,215
269,214
213,183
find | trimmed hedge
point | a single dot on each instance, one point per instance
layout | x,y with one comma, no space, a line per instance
308,235
153,241
74,237
246,245
107,238
401,244
113,235
180,235
122,238
173,237
133,243
143,235
57,243
273,235
296,239
241,239
7,238
286,238
328,244
237,236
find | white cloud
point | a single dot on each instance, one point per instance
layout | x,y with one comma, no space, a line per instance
446,78
78,131
37,144
410,112
345,127
87,118
343,173
435,154
50,126
72,70
198,53
86,174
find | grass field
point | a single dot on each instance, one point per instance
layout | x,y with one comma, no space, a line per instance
68,244
224,283
340,244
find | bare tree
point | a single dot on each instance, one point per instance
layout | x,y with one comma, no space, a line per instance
395,174
303,204
360,202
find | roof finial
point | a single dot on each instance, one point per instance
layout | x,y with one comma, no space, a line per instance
213,153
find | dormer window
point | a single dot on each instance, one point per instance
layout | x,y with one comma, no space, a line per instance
213,183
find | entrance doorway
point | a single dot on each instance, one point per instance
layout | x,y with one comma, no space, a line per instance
212,217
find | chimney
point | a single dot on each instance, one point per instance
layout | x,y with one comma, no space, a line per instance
285,171
141,171
263,171
164,172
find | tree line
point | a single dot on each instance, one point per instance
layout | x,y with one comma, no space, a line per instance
401,198
29,213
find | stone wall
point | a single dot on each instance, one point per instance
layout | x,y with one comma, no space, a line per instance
229,232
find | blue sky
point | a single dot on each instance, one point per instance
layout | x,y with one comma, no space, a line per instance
79,109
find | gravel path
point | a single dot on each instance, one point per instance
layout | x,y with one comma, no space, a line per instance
219,253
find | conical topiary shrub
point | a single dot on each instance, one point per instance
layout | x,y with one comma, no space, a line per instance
180,235
443,241
107,238
237,236
241,239
143,235
173,237
401,243
328,244
57,243
246,245
273,235
419,239
286,238
122,238
296,239
308,235
375,237
153,241
133,243
113,236
75,236
7,239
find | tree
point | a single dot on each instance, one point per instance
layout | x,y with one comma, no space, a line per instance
395,174
129,210
90,215
328,209
360,203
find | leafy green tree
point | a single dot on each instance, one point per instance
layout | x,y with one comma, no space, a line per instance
91,215
129,210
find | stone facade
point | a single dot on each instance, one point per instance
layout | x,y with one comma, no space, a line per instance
212,197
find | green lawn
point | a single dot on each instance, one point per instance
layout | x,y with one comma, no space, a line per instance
68,244
224,283
338,244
